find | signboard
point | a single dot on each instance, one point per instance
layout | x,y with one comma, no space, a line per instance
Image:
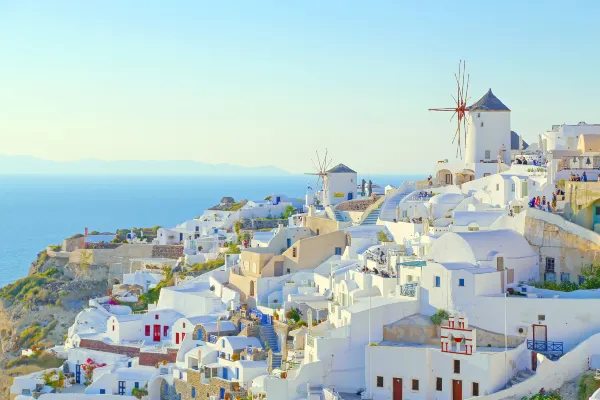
338,194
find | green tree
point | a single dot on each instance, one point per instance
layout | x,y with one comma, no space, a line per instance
289,210
233,248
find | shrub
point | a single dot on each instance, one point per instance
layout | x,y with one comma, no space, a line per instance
294,314
587,386
235,357
543,395
233,249
289,210
383,237
439,316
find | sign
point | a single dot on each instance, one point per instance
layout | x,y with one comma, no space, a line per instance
338,194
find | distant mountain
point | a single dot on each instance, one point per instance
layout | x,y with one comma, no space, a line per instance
32,165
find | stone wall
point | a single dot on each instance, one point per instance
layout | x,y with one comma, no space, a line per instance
256,224
282,329
570,245
102,245
204,391
168,392
151,359
167,251
355,205
109,348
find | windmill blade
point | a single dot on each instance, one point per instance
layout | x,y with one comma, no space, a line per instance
442,109
318,161
452,117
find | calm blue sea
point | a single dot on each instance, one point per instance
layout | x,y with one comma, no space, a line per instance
37,211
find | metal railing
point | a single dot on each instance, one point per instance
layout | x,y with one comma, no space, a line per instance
545,346
212,338
409,289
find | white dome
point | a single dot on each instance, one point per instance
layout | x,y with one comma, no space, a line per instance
447,198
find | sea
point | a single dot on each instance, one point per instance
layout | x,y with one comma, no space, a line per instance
41,210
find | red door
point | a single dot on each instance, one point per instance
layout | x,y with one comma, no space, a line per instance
456,390
157,333
176,337
397,388
533,360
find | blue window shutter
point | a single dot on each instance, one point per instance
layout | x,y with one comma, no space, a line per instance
102,391
461,282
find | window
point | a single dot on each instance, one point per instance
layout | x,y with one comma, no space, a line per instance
549,264
136,385
438,281
338,251
461,282
581,279
565,277
541,317
294,252
237,373
438,384
481,123
597,210
415,385
475,389
156,316
102,391
497,187
488,154
473,228
486,174
165,330
222,343
478,115
380,381
147,330
318,231
184,324
457,366
113,328
512,187
193,392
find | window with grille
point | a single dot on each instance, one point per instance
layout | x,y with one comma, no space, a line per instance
415,385
438,384
488,154
457,366
549,264
380,381
475,388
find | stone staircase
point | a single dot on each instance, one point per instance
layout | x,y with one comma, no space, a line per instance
372,218
218,305
519,377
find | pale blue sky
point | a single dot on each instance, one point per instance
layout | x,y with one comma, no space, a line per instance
269,82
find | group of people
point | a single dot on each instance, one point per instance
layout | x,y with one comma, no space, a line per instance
580,178
543,204
523,160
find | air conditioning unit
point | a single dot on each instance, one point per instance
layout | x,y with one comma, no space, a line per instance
522,330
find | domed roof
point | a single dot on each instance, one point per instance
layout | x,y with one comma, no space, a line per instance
447,198
489,102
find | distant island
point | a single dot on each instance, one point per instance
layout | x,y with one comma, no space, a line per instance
32,165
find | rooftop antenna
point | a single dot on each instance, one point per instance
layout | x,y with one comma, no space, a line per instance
460,108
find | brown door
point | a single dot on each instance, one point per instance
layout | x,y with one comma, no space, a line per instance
456,390
533,360
397,388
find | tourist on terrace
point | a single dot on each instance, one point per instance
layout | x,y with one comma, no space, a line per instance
584,177
538,202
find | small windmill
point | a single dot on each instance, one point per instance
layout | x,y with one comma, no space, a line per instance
321,166
460,108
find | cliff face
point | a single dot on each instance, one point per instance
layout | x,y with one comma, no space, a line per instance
38,309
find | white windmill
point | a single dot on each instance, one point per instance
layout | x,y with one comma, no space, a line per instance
316,193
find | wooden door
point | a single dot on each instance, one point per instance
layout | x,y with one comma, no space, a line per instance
533,361
540,332
397,389
176,337
456,390
157,333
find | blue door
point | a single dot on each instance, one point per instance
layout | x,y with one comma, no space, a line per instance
350,196
222,393
225,373
181,237
77,373
122,388
289,243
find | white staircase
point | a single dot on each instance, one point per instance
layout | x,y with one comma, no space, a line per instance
372,218
519,377
388,210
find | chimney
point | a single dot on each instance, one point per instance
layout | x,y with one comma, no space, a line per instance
86,231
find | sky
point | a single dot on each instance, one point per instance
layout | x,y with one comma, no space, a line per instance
270,82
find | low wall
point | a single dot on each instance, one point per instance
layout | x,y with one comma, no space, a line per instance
551,375
256,224
151,359
167,251
109,348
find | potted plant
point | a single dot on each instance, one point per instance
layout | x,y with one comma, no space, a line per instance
276,316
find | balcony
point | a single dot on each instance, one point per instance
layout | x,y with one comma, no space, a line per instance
545,346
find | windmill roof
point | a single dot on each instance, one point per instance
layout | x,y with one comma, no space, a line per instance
514,141
341,168
489,102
